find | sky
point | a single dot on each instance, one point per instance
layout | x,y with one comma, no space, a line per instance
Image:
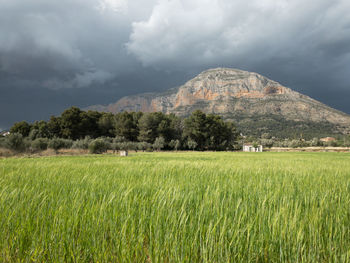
57,54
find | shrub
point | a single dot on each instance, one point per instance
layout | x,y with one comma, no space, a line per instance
132,146
191,144
98,146
67,143
175,144
57,143
315,142
15,142
40,144
2,142
150,149
118,139
82,144
267,142
294,144
33,134
159,143
332,144
143,146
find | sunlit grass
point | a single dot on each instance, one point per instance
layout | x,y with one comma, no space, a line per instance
176,207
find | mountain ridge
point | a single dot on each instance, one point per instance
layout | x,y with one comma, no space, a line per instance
234,94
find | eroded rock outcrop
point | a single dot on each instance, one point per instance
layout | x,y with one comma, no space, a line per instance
233,93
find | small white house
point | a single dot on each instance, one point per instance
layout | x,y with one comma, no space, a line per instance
5,133
123,153
251,148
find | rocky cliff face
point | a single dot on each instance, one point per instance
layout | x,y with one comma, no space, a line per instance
236,95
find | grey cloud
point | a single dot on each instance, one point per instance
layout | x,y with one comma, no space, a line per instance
206,32
81,52
71,43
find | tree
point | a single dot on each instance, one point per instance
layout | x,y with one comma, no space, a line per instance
195,129
21,127
89,124
191,144
159,143
175,144
54,127
106,124
39,129
126,125
150,125
210,132
220,134
71,123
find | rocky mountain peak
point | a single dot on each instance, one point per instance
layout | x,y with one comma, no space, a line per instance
236,95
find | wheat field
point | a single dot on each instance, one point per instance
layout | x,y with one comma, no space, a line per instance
176,207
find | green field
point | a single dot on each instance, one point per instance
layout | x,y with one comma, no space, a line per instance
176,207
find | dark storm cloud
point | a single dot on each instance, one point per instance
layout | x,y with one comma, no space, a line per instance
68,43
54,54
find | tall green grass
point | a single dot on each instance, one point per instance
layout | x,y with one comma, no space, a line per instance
176,207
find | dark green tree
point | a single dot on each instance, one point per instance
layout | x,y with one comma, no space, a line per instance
71,126
149,126
195,129
126,125
39,129
209,132
89,124
54,127
106,124
21,127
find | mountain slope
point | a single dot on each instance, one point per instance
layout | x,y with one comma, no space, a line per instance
244,97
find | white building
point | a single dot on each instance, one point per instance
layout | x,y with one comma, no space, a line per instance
123,153
251,148
5,133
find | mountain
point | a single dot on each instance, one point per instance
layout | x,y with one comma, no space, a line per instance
256,103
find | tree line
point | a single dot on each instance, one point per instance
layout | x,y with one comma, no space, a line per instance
199,131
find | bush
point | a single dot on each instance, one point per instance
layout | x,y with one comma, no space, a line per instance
33,134
67,143
267,142
82,144
159,143
57,143
332,144
295,144
2,142
175,144
315,142
143,146
191,144
98,146
15,142
40,144
118,139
